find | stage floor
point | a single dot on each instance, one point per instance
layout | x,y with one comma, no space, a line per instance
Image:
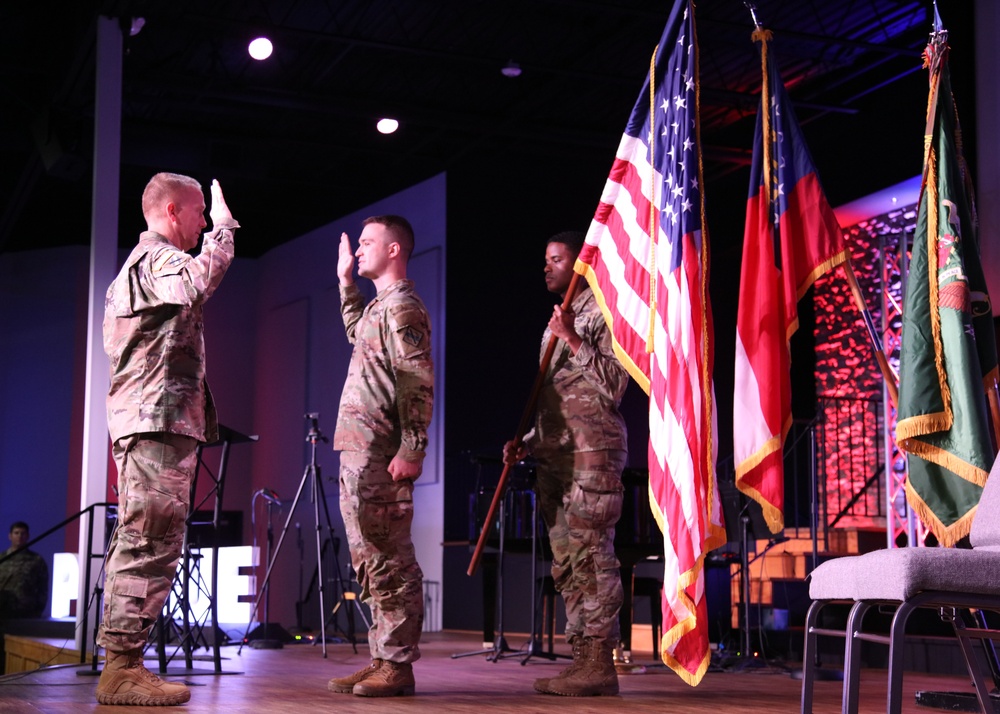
294,679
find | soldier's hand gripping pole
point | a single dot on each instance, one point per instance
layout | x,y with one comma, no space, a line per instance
522,429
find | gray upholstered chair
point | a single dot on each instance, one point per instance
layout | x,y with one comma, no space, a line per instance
946,579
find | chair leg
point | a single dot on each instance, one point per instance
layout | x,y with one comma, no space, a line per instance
897,633
809,650
656,619
852,657
955,619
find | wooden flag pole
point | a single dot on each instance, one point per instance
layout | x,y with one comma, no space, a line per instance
891,381
522,429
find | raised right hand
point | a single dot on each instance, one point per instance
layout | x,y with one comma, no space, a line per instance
345,261
220,211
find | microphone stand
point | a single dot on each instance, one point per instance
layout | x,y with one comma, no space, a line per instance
266,643
310,476
299,604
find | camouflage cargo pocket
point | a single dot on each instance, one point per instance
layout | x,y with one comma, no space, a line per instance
154,503
385,522
595,501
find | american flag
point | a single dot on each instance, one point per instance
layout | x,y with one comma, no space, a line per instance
646,258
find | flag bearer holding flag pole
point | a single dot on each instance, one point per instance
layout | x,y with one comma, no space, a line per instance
580,442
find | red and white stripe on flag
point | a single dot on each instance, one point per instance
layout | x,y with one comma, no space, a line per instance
649,225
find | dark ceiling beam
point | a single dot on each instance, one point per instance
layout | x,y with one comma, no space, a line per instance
881,48
18,198
726,155
299,34
360,107
73,84
747,26
746,100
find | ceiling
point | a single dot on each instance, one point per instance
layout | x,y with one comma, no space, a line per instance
292,139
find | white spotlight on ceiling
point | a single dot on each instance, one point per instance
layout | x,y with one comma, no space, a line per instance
387,125
260,48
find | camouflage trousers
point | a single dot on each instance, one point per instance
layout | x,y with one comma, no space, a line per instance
580,496
378,513
155,471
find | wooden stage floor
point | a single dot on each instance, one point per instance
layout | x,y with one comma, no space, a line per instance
294,679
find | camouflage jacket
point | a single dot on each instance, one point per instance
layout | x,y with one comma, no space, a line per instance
578,402
388,396
153,335
24,584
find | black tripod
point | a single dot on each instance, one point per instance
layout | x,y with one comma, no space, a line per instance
317,496
348,598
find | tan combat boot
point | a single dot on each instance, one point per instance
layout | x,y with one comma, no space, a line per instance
579,649
596,675
125,680
345,685
392,679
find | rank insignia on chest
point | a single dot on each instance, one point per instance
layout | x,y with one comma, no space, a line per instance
412,337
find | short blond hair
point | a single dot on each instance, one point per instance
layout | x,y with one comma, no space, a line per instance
164,187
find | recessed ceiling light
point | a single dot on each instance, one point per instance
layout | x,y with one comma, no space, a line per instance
260,48
511,69
387,125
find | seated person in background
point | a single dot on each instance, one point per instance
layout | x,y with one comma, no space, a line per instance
24,577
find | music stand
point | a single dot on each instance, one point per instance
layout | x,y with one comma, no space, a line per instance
227,437
535,647
744,521
499,647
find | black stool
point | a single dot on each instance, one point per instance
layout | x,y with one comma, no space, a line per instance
641,587
651,588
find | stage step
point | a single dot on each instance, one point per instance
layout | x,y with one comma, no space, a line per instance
856,540
24,654
778,571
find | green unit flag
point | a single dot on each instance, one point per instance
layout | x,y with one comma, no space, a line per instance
948,354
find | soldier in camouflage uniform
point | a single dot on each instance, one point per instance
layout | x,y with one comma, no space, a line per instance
159,409
381,435
580,443
24,577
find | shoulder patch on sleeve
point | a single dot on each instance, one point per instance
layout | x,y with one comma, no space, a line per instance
411,336
409,321
168,261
